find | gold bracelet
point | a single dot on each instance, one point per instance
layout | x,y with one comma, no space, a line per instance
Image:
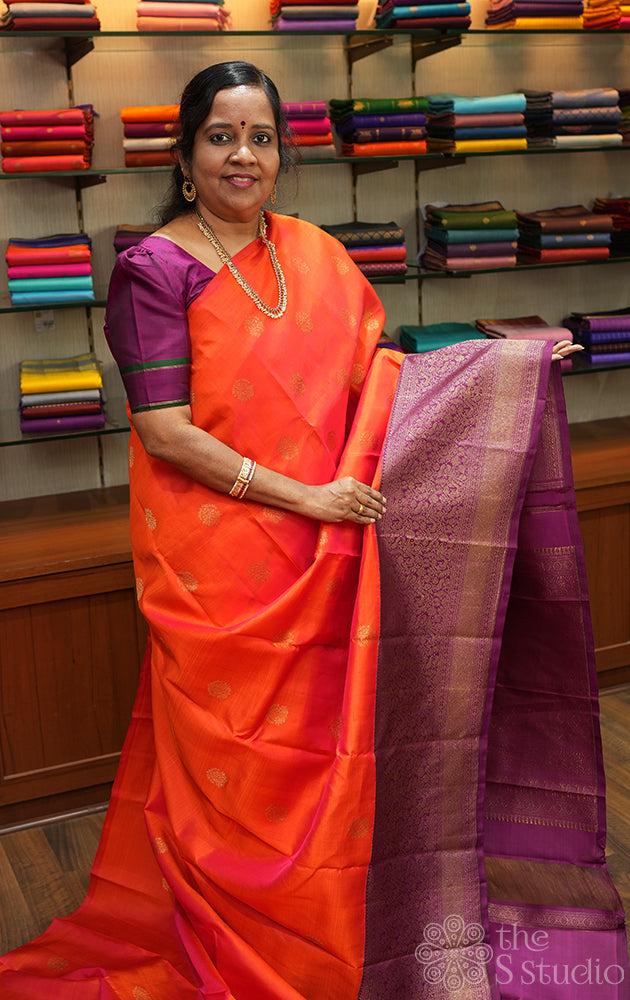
244,478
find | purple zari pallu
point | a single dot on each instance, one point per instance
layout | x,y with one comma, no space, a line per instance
487,879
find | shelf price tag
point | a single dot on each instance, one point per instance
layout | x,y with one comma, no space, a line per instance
44,320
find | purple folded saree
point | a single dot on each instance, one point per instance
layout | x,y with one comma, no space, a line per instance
488,877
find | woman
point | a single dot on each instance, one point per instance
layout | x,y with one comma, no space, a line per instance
289,821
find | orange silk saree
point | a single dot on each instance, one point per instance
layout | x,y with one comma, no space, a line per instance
289,822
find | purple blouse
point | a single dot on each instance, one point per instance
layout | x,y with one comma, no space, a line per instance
151,287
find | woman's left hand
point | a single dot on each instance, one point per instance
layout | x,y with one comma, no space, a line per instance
563,349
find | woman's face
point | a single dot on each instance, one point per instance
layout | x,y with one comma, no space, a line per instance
235,157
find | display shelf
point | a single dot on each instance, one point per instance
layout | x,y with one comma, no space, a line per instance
7,307
429,275
362,164
581,365
116,422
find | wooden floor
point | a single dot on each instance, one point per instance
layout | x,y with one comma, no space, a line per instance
44,870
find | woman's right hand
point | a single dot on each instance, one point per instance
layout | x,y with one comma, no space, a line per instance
346,499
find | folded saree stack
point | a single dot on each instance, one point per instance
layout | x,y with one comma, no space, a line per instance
619,210
41,140
469,237
127,235
430,337
491,124
381,126
148,134
377,248
48,15
313,15
61,394
605,336
553,15
583,118
557,235
310,127
526,328
624,105
179,15
447,14
602,14
53,270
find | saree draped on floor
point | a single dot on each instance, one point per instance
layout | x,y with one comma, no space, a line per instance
362,763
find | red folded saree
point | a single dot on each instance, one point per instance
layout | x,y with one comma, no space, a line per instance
55,24
147,113
352,749
63,116
25,256
162,158
411,148
35,164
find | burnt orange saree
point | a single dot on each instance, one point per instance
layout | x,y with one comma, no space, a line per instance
299,805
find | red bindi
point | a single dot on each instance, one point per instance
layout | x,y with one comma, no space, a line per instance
243,124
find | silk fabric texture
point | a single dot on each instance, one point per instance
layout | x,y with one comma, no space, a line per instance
287,820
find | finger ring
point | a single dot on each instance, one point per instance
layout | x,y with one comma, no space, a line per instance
361,509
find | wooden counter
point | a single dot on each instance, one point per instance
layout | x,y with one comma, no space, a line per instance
71,638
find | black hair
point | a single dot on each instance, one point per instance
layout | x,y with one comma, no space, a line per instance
196,102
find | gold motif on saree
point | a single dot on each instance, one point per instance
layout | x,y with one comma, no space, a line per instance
209,514
560,578
187,580
259,572
160,845
242,390
131,456
273,514
370,440
342,377
139,993
334,727
364,634
359,827
57,964
300,265
276,813
284,639
217,777
349,318
358,374
340,265
219,689
370,322
254,326
287,448
166,887
304,321
139,587
150,519
333,586
277,715
298,384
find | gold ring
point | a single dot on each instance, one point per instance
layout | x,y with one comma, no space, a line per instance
361,509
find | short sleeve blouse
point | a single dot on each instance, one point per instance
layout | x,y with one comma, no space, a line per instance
151,287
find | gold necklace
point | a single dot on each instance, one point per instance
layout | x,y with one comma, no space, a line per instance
224,256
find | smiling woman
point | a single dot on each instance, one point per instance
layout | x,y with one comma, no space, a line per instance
356,722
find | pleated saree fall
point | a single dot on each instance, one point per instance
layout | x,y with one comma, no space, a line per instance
362,763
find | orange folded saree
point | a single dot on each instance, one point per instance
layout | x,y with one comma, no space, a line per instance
326,790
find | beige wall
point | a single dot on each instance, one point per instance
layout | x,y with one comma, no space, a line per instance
133,69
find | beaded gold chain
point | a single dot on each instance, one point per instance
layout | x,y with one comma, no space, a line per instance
209,233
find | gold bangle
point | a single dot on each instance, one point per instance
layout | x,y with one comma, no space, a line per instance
244,478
